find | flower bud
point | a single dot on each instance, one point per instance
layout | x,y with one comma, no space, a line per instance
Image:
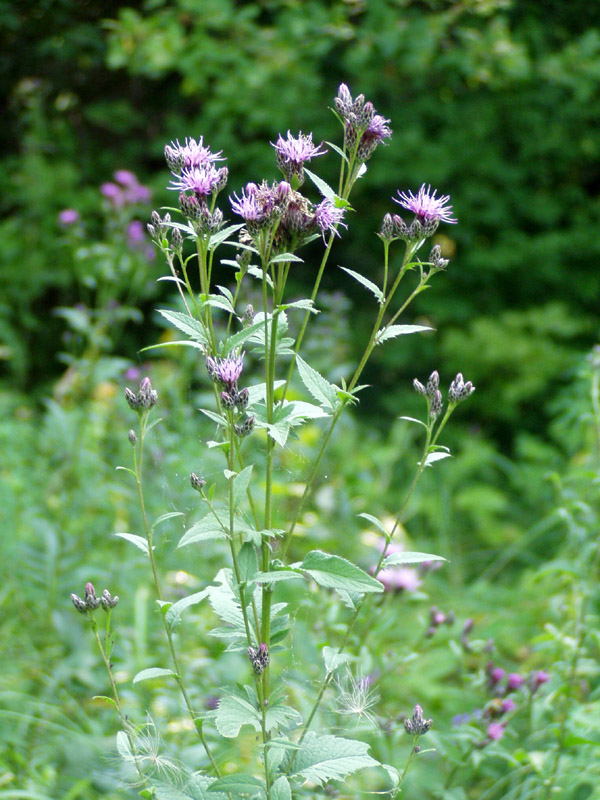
387,230
79,604
436,405
177,240
147,397
419,387
244,428
132,436
131,399
418,725
108,601
433,384
241,399
227,400
436,260
197,483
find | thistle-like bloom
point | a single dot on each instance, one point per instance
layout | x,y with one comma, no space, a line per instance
68,216
328,217
248,206
225,371
190,155
495,731
296,150
202,180
426,206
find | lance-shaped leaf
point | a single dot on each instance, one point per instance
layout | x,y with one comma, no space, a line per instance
185,323
401,559
152,673
320,388
239,785
175,611
399,330
372,287
335,572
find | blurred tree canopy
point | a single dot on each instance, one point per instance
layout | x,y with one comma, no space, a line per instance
491,101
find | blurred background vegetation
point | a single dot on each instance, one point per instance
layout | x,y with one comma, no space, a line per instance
495,102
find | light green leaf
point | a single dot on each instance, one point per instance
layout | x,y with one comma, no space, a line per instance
247,562
334,572
280,790
152,673
123,746
239,783
433,457
301,410
185,323
338,150
240,485
377,522
218,238
333,659
372,287
280,716
284,258
400,559
207,528
164,517
175,611
233,712
323,187
240,337
320,388
277,575
323,758
216,301
399,330
139,541
412,419
214,416
307,305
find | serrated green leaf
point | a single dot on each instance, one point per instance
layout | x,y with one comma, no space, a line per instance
233,712
334,572
400,559
225,604
240,485
280,790
152,673
323,187
277,575
247,562
242,336
320,388
257,272
333,659
372,287
219,238
323,758
239,783
216,301
399,330
175,611
139,541
186,324
208,527
377,522
284,258
306,305
338,150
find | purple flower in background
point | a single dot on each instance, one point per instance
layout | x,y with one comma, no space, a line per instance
536,679
136,233
508,704
496,674
426,205
68,216
297,150
113,193
514,681
137,194
125,177
399,579
328,217
495,731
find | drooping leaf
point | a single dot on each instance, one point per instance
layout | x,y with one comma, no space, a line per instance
335,572
175,611
433,457
377,522
240,485
372,287
412,419
333,659
237,339
400,559
233,712
323,758
280,790
399,330
208,527
247,562
165,517
139,541
153,673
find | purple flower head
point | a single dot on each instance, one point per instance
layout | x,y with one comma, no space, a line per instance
514,681
113,193
328,217
125,177
495,731
508,705
190,155
136,233
137,194
68,216
226,370
249,205
373,136
201,180
398,579
538,678
496,675
426,206
297,150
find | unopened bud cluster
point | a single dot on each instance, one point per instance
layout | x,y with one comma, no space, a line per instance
91,602
197,483
458,391
364,128
144,400
418,725
226,372
437,618
259,658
